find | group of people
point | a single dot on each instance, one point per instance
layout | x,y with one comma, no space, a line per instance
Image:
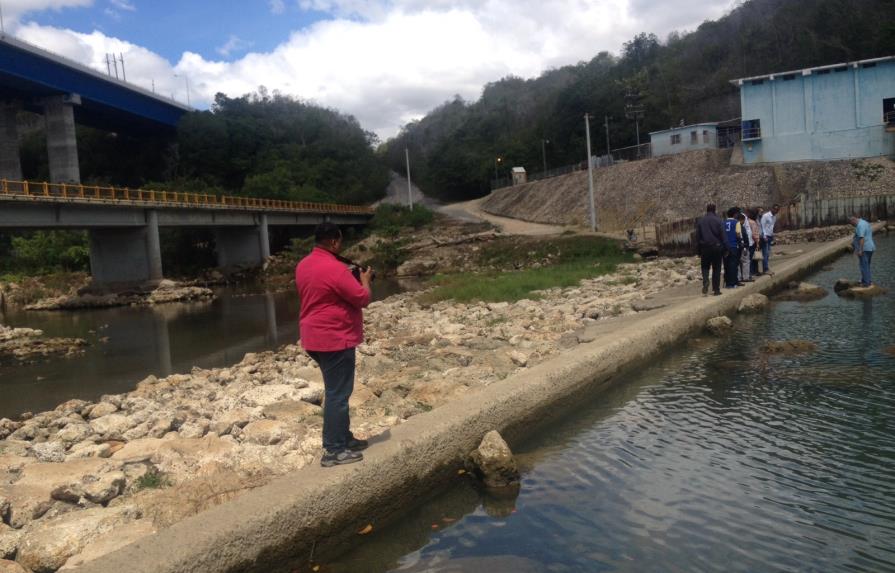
734,243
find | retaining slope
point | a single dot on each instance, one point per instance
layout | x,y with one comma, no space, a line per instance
316,505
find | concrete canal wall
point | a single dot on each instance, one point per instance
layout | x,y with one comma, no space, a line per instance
326,506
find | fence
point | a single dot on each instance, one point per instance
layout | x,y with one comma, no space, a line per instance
679,238
74,193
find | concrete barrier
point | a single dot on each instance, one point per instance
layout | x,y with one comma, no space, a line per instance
266,527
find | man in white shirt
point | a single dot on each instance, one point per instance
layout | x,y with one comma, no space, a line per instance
768,220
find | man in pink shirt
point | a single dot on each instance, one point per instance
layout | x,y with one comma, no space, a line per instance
331,325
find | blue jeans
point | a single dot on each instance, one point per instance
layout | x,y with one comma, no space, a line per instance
864,263
765,255
338,380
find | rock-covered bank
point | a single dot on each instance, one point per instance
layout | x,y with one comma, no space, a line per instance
22,345
86,478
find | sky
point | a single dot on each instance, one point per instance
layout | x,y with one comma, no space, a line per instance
387,62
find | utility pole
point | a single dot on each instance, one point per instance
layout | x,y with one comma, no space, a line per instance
544,143
606,119
108,65
123,75
590,175
409,191
186,79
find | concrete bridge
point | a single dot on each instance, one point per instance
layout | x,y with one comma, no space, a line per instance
65,93
123,224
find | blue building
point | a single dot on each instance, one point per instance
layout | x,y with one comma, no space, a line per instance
842,111
684,138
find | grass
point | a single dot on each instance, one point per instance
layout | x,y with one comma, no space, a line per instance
152,480
572,259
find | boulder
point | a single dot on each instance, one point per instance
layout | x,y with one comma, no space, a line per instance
194,428
46,546
272,393
291,410
267,432
753,303
860,292
10,567
74,433
719,325
49,452
494,463
112,426
802,292
108,542
96,489
102,409
844,284
788,346
236,418
9,541
519,358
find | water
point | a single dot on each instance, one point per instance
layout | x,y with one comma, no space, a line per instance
715,458
160,340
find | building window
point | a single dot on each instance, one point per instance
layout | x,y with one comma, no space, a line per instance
751,129
694,138
705,136
889,112
675,138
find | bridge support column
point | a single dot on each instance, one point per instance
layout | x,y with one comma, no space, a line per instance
243,246
10,164
126,255
62,142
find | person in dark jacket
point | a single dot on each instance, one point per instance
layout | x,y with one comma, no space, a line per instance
710,241
733,244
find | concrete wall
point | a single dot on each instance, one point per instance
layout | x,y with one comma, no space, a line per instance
126,255
10,164
820,114
661,144
62,141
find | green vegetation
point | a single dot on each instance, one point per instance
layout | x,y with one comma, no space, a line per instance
682,77
390,219
572,259
153,479
44,252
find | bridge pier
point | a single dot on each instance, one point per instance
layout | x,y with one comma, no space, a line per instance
62,142
10,164
243,246
126,255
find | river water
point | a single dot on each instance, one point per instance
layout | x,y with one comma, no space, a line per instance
126,344
713,458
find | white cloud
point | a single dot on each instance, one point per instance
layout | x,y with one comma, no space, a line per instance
125,5
389,62
233,44
13,10
277,6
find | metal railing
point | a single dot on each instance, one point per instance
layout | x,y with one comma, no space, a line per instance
70,192
751,133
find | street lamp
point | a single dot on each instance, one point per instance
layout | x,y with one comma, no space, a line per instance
187,80
544,143
497,163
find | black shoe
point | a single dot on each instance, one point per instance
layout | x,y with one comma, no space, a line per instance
717,293
330,459
356,445
705,289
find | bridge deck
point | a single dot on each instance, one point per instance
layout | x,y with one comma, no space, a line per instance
43,192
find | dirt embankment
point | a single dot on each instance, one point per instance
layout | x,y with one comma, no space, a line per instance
678,186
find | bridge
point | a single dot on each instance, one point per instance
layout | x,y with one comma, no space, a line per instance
65,91
123,224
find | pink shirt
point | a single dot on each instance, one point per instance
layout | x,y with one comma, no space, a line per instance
331,301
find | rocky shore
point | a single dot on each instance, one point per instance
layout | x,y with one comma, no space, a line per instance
22,345
86,478
166,291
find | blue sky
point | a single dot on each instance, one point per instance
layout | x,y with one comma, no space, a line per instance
170,28
387,62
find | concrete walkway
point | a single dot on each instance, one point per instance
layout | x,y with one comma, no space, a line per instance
471,211
321,507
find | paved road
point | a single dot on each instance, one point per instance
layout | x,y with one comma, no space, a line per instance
472,211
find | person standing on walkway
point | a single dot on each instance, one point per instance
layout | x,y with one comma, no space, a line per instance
748,245
752,219
331,326
863,245
768,221
732,244
710,241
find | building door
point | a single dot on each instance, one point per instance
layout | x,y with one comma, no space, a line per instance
889,111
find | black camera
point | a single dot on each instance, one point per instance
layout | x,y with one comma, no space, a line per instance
355,268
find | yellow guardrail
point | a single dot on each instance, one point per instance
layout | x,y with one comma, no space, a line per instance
94,193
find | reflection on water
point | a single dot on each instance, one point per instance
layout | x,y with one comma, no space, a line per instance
715,458
160,340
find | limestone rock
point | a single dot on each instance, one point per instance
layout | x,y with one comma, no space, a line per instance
844,284
494,463
646,305
788,346
519,358
291,410
46,546
194,428
112,426
102,409
108,542
9,541
74,432
271,393
96,489
236,418
859,292
10,567
802,292
266,432
753,303
49,452
719,325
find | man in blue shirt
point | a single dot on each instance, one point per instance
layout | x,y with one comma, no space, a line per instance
863,245
733,244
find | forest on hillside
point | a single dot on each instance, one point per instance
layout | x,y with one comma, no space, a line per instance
685,76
